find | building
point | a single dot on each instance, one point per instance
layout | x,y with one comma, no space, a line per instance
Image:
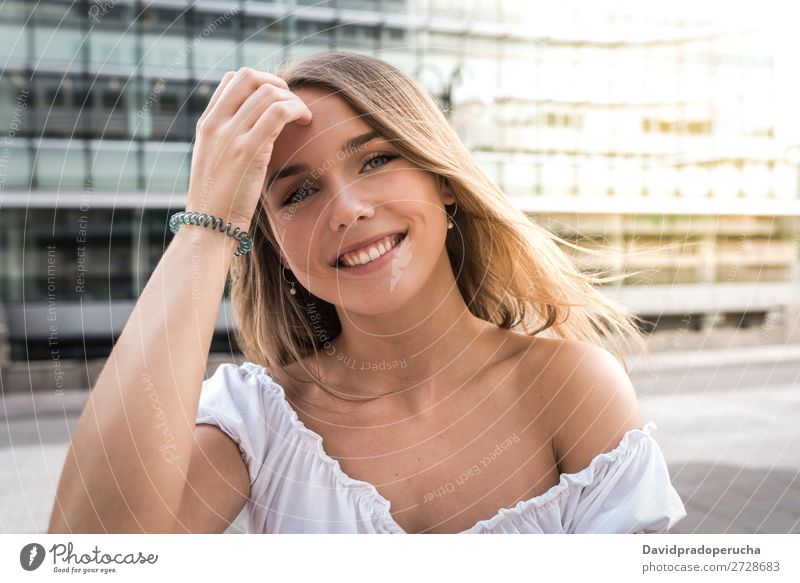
607,124
668,133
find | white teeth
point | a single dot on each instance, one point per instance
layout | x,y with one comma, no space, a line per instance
372,253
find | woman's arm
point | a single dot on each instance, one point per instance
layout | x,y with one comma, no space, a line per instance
132,450
127,466
218,484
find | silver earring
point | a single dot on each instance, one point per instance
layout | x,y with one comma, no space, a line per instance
450,223
283,275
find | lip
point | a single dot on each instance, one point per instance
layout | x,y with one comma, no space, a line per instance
377,263
364,243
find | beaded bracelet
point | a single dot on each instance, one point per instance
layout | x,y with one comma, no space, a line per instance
204,220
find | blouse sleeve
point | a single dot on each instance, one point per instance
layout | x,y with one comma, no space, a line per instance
626,490
233,400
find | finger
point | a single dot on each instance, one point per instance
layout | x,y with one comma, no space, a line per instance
276,116
243,84
258,102
218,92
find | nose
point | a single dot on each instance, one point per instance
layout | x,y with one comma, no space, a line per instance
349,206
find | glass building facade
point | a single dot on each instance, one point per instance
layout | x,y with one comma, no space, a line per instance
606,124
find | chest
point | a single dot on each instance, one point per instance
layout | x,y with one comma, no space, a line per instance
481,448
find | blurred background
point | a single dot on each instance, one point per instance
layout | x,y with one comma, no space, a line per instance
618,125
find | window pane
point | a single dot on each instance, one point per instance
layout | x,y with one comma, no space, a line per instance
113,15
199,97
13,44
262,28
114,167
113,48
105,265
215,23
519,177
166,168
15,102
558,176
110,114
594,176
167,108
315,33
58,44
298,51
263,56
14,10
215,54
109,94
17,165
402,58
60,107
165,51
163,20
61,167
360,4
58,12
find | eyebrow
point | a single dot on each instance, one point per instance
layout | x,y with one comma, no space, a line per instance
293,169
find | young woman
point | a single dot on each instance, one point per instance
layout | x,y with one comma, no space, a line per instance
420,357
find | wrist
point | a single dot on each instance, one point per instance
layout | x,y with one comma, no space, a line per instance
234,233
224,214
206,243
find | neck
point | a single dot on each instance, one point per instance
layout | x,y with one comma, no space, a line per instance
423,343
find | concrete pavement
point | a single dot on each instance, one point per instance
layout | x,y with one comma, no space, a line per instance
733,457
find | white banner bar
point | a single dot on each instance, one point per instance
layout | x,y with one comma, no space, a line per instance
249,558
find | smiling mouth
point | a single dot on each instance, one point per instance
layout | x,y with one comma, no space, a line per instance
364,255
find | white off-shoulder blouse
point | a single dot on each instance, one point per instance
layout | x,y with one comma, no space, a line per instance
295,487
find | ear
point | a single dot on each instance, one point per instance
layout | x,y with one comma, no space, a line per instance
445,190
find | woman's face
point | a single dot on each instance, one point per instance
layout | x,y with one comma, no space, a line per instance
323,197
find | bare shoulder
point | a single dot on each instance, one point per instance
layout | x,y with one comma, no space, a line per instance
591,402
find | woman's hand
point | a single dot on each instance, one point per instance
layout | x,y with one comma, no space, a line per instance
234,141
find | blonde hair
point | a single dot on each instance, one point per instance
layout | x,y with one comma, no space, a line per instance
509,270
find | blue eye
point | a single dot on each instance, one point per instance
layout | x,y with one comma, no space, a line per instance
387,157
292,196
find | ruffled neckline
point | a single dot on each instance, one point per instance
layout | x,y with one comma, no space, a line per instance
383,505
629,442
